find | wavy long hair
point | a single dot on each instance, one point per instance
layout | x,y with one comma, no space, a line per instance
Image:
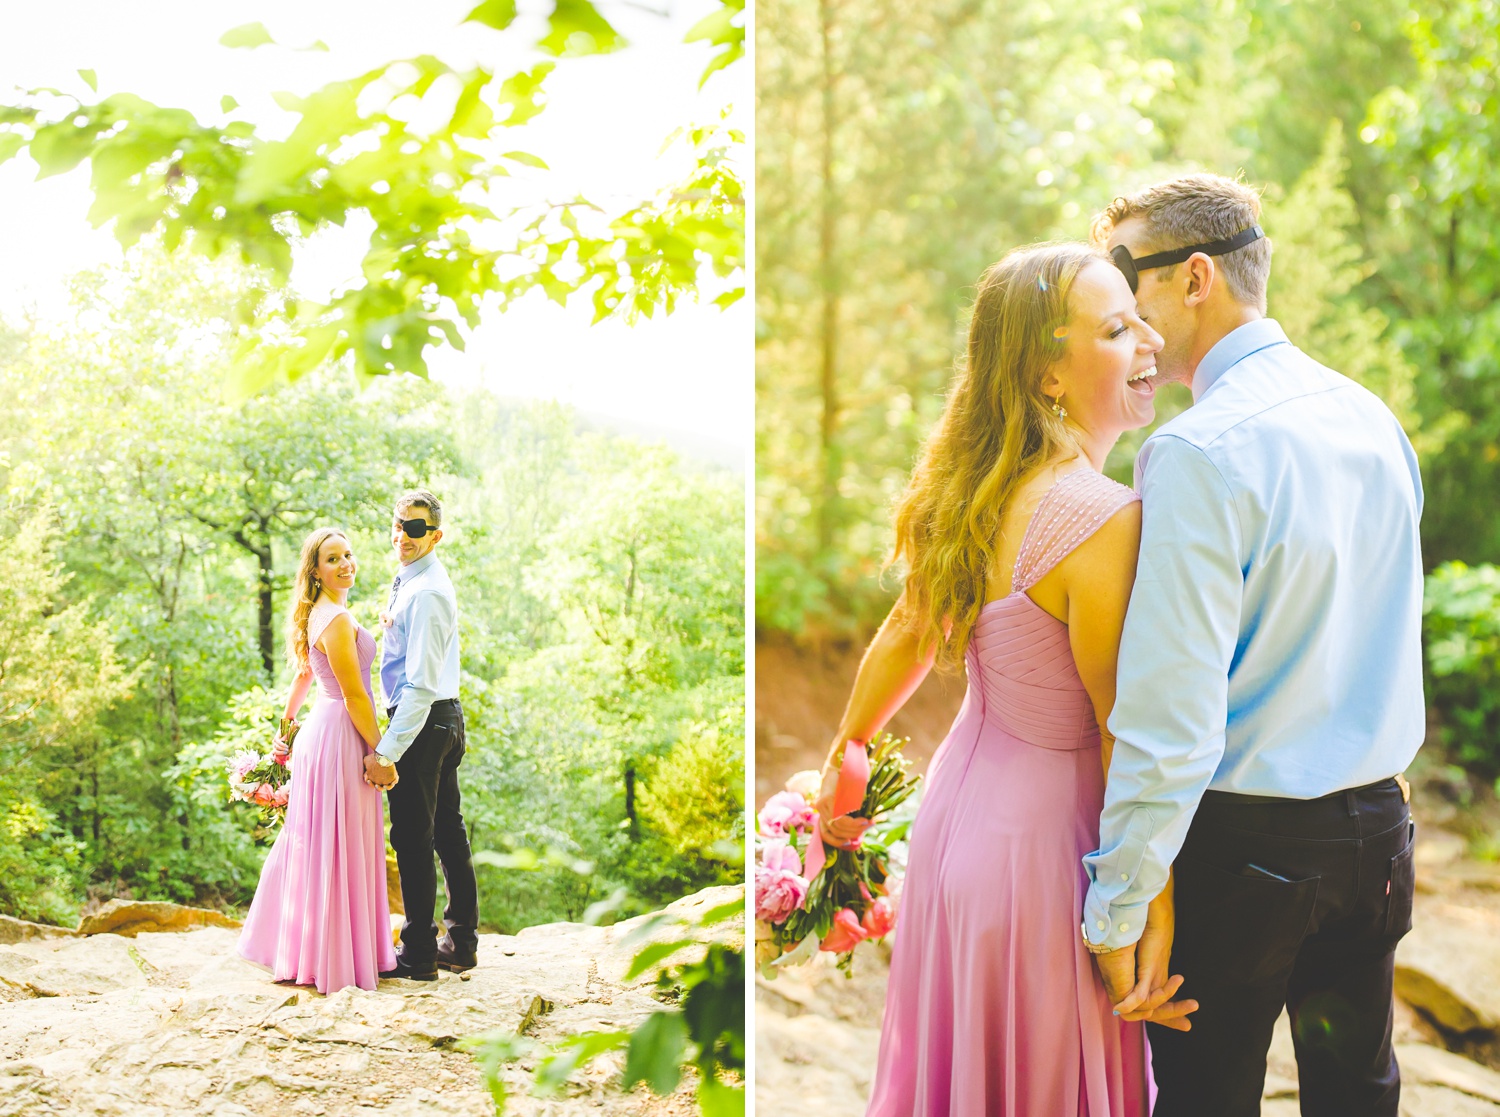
996,427
305,591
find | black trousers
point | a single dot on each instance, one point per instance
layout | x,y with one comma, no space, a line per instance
426,818
1297,903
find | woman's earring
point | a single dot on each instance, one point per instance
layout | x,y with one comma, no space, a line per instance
1058,409
318,586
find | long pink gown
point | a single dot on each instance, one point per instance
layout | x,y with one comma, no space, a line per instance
320,915
994,1008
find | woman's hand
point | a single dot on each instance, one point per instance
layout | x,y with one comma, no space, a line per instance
280,750
1155,986
843,831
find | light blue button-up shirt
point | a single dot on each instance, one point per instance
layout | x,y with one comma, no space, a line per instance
1273,641
419,652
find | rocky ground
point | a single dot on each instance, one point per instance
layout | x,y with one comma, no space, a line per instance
139,1022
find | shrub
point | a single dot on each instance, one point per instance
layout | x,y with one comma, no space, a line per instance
1462,612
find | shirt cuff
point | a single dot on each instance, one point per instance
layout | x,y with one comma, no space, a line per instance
1113,927
389,747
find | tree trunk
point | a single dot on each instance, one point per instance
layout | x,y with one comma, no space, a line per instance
267,632
828,274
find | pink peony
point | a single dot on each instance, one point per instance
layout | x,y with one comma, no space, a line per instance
283,793
784,812
776,856
846,933
778,893
879,919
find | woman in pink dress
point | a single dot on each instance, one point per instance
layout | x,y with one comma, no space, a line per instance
1021,558
320,915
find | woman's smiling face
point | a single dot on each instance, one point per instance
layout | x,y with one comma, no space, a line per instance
1104,377
336,565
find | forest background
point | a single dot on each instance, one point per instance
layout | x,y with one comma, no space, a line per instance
196,409
902,147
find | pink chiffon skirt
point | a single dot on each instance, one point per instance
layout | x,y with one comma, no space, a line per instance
320,915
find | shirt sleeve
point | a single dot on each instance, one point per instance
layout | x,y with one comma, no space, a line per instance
1172,701
432,625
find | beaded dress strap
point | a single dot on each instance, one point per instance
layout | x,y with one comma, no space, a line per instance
322,615
1068,513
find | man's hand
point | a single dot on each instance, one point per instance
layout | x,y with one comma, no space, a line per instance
380,775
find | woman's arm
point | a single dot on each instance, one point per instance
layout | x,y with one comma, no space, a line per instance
889,674
339,645
294,700
1097,578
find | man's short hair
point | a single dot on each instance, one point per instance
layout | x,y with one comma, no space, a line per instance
1197,209
421,498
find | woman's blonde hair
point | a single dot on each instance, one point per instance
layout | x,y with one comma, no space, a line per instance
995,428
305,591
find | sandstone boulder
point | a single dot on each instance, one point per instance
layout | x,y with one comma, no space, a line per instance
14,930
1439,971
131,917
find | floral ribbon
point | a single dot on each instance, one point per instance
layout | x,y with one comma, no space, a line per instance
848,795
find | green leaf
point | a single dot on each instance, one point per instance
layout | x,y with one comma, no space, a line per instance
228,103
716,1099
523,93
498,14
572,1053
526,158
576,28
655,1054
61,147
90,79
654,954
735,909
247,36
10,143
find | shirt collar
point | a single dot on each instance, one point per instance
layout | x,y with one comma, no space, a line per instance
1233,348
407,573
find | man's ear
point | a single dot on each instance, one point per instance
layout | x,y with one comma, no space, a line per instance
1201,276
437,536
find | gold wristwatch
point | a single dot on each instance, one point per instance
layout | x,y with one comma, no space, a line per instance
1093,948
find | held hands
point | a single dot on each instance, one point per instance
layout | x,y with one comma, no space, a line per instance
378,774
1136,977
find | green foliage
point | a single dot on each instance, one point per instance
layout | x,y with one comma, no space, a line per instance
901,149
601,585
1462,611
705,1029
445,244
40,863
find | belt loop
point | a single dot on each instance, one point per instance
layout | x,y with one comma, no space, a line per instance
1349,802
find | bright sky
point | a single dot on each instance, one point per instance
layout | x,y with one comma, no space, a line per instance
601,136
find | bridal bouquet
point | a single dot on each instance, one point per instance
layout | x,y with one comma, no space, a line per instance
808,898
264,778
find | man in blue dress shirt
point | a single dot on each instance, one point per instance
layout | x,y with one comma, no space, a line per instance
423,745
1270,683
